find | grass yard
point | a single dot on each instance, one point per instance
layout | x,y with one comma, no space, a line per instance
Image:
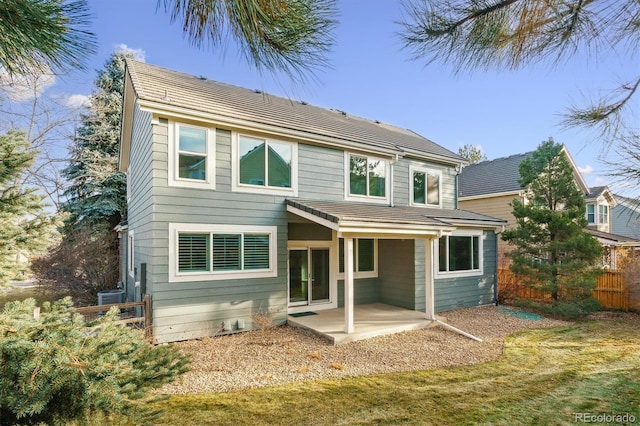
545,377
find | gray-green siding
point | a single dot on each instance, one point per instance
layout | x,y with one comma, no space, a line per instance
465,292
187,310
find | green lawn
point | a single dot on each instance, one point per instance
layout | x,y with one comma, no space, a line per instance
545,377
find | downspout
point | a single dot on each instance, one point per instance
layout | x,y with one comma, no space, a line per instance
456,195
391,164
457,330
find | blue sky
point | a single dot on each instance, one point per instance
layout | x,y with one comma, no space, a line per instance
507,112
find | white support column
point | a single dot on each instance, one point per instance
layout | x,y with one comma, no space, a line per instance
348,285
429,287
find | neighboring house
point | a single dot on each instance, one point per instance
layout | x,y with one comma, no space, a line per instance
599,202
489,187
240,202
625,217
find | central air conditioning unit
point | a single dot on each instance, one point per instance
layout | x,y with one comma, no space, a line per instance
109,297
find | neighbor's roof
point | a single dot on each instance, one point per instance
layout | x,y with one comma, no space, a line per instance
491,177
613,238
167,88
501,176
337,212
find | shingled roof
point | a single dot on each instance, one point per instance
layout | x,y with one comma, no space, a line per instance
491,177
164,87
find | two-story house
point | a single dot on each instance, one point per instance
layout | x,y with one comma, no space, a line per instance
489,187
240,201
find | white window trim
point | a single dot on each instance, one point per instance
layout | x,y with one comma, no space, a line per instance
176,228
600,216
361,274
455,274
173,153
131,269
365,198
236,186
426,170
595,213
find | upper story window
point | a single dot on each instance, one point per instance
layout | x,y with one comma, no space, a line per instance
591,213
367,178
191,156
460,254
603,214
265,165
425,187
210,252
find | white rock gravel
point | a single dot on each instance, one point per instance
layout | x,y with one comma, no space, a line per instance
285,354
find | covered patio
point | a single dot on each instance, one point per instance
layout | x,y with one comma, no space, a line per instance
371,320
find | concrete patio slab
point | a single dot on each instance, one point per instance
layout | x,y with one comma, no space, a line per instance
371,320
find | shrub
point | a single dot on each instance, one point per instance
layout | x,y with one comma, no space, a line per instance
83,263
56,368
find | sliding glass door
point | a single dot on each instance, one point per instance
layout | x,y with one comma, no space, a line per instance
308,276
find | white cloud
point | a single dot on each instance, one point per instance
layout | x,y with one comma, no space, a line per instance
138,54
586,170
20,88
77,101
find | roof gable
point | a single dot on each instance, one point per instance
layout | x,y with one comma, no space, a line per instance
163,89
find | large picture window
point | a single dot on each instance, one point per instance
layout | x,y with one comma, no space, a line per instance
425,187
265,165
223,251
367,177
192,158
460,254
364,254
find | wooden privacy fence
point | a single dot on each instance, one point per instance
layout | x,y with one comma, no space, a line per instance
610,290
128,313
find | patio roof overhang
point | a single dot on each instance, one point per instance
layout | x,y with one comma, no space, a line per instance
385,221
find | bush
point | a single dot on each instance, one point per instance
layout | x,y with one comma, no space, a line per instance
82,264
56,368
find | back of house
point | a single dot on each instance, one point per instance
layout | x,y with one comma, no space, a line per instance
240,202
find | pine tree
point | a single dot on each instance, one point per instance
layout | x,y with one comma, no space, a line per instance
24,227
550,249
97,190
56,369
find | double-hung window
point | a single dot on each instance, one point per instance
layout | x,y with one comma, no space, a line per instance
460,253
265,165
191,156
603,214
365,257
210,252
425,187
591,213
367,178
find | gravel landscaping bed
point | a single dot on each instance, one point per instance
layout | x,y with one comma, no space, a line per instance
285,354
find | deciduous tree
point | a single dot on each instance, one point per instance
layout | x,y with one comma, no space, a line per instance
473,153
